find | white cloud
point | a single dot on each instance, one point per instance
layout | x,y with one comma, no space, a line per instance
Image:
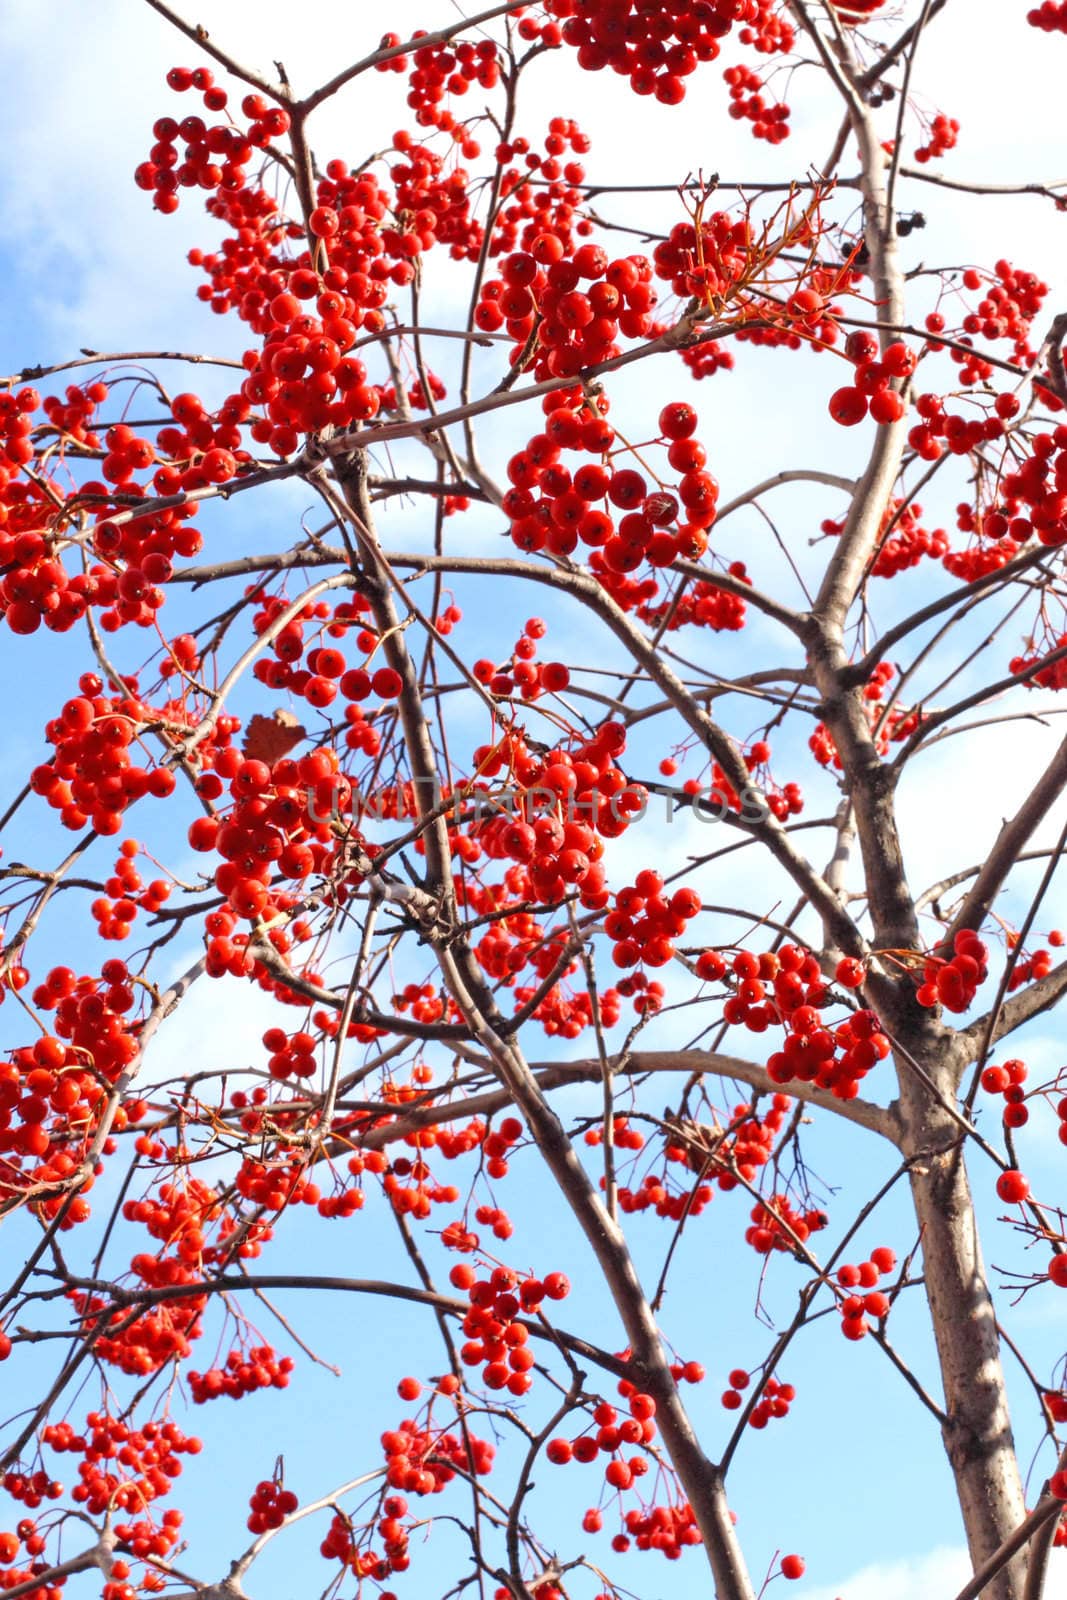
938,1575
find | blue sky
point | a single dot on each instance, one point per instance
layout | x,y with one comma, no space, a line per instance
85,262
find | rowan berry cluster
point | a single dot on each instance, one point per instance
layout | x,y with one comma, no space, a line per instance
904,541
574,303
703,604
644,923
496,1338
30,1489
709,262
774,1400
16,410
530,678
747,103
540,192
941,136
214,157
51,1093
343,1543
574,799
1054,676
1028,969
856,1308
441,70
260,1368
706,358
886,725
1008,1080
92,778
610,1437
653,47
122,1467
954,981
36,587
420,1460
778,1225
1050,16
270,1504
871,390
657,525
279,822
125,894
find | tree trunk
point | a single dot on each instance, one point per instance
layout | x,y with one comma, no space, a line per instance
977,1434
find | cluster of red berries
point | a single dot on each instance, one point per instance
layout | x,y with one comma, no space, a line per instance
624,1136
657,525
941,136
562,1013
71,416
143,1538
30,1489
653,1194
703,604
1030,504
885,726
279,821
954,982
125,893
1049,16
163,1334
774,1401
260,1368
1008,1080
214,156
496,1338
644,924
870,390
578,304
552,204
531,678
778,1225
836,1060
656,49
270,1504
421,1460
302,378
1029,968
574,798
441,70
16,409
1054,676
715,1154
904,541
747,103
12,1576
670,1529
35,587
611,1436
708,263
91,778
149,1459
409,1187
856,1308
706,358
343,1543
54,1089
